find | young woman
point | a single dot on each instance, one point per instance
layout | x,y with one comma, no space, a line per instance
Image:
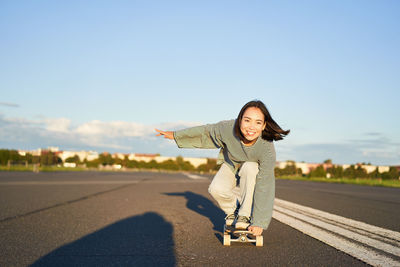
247,153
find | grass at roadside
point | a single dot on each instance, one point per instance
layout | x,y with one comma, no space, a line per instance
358,181
31,168
55,168
20,168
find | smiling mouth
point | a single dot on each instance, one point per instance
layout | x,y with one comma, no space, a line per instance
250,133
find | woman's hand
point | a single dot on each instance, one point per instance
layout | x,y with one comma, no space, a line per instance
255,230
168,135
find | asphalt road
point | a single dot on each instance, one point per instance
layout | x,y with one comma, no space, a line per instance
168,219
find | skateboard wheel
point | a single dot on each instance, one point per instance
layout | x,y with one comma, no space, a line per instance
227,240
259,241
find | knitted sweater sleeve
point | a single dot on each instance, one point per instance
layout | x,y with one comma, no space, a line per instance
206,136
264,191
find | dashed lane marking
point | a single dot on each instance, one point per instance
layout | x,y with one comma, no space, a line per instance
194,176
374,245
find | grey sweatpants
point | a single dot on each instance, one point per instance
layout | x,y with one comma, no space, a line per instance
223,188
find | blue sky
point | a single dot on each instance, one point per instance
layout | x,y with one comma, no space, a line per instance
101,75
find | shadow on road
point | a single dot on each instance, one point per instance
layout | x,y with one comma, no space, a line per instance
203,206
144,240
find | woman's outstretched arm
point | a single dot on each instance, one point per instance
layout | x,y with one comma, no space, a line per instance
166,134
205,136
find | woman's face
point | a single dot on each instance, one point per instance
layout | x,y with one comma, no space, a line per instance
252,125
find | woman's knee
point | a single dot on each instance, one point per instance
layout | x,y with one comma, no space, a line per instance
249,168
217,192
213,190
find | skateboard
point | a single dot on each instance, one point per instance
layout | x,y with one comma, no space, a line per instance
231,234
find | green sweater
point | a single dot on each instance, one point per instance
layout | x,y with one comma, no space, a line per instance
233,152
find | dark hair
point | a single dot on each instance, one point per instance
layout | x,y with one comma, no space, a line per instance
272,131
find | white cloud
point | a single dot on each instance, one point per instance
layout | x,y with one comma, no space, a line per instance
382,151
111,129
126,129
98,135
58,125
7,104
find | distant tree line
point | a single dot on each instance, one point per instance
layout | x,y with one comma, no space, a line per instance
179,164
289,170
336,171
48,158
12,157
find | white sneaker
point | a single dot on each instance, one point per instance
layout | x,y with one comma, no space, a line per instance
242,222
230,219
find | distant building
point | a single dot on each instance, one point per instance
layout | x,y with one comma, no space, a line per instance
368,168
306,168
69,164
142,157
36,152
88,155
156,157
118,156
53,149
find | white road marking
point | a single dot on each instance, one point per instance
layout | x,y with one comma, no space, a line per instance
368,243
339,219
194,176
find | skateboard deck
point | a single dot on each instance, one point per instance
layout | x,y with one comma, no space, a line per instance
231,234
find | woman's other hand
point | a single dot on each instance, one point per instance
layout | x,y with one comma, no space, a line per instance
168,135
255,230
